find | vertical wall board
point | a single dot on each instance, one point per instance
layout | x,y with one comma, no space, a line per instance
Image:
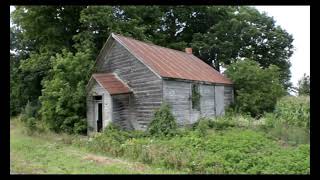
228,96
219,100
207,100
177,95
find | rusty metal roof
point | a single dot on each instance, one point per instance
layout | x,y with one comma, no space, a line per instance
111,83
171,63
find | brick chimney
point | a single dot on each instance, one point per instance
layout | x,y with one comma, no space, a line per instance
188,50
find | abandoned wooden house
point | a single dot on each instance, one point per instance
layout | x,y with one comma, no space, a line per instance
132,79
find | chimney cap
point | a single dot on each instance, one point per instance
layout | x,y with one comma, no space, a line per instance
188,50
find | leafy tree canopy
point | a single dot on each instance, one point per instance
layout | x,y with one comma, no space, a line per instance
53,48
256,89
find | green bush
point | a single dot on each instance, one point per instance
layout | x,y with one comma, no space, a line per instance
63,98
80,127
256,89
203,126
163,122
29,117
233,151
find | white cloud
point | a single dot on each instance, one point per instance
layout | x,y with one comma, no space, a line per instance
296,21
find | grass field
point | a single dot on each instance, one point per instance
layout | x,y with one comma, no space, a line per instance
47,154
221,148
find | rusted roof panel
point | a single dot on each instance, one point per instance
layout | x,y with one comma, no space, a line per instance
171,63
111,83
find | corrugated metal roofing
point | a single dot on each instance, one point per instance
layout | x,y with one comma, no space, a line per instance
111,83
172,63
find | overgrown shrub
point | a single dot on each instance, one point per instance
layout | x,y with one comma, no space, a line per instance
232,152
256,89
203,126
29,117
63,98
163,122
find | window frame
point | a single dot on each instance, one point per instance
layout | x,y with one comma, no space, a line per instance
195,97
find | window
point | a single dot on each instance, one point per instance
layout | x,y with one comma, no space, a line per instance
97,98
195,97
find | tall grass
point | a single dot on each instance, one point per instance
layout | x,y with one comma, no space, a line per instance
290,121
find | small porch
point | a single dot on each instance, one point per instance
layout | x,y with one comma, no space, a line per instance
108,100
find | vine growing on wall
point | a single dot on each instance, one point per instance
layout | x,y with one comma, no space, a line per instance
195,97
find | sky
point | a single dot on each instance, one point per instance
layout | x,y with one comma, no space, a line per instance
296,21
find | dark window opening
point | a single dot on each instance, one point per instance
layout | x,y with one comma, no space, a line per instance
99,120
97,98
195,97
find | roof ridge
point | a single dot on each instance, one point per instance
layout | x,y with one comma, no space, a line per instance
152,44
157,57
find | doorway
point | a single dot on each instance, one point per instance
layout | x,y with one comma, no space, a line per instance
99,120
98,112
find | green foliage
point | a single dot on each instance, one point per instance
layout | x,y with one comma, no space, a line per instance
290,121
50,153
234,151
163,122
243,32
256,89
36,35
195,97
29,117
304,85
62,110
55,48
202,126
291,135
293,111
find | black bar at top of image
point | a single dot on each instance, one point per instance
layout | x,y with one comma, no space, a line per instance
160,2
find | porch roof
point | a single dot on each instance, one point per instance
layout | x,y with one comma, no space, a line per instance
112,83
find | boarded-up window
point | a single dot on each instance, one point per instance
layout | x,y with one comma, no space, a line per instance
195,97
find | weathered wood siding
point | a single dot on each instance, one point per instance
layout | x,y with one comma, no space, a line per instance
121,111
207,100
219,100
97,90
228,96
177,95
135,111
90,115
147,86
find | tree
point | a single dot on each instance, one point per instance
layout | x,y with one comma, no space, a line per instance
50,43
38,33
63,96
256,89
245,33
304,85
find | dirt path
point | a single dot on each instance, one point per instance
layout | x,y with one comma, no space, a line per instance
139,167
